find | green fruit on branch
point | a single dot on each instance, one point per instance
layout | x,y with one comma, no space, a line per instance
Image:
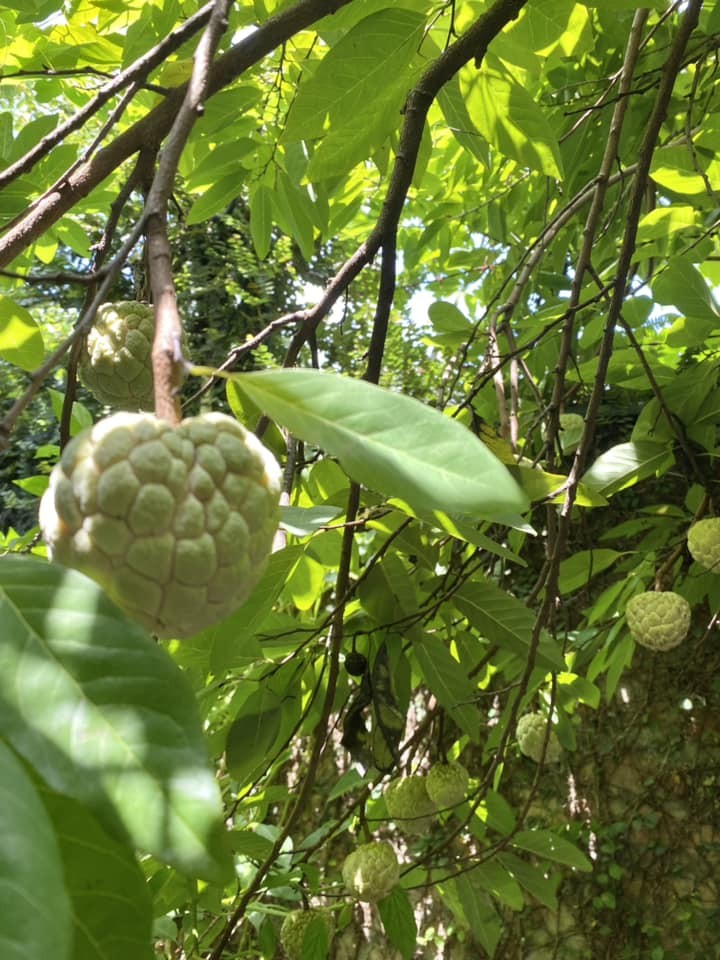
704,543
176,523
295,925
371,871
356,663
659,621
408,802
447,784
531,732
115,360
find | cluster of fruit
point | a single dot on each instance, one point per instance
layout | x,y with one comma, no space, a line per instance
175,522
660,620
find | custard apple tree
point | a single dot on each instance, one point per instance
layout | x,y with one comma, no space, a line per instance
358,583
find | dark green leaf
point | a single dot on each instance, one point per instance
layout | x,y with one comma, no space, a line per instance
105,716
399,922
36,913
112,906
450,683
549,845
252,736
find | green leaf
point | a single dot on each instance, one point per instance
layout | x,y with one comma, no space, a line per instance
452,104
229,639
509,118
252,736
215,198
626,464
21,341
387,441
303,521
398,921
482,917
535,879
449,681
549,845
112,906
682,285
505,621
261,219
353,71
493,877
35,917
576,571
105,716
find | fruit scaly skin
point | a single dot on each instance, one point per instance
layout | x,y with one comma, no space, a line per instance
408,802
292,932
530,734
371,871
115,361
447,784
659,621
704,543
175,522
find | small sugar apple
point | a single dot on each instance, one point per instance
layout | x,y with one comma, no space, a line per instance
371,871
356,663
530,734
408,802
704,543
295,925
447,784
115,360
175,522
658,620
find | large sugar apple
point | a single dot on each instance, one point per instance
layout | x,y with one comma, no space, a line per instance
658,620
704,543
295,925
115,360
447,784
408,802
371,871
175,522
530,733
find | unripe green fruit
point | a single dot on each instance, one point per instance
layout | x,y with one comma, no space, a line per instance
530,734
175,522
295,925
356,663
371,871
447,784
704,543
115,361
659,621
408,802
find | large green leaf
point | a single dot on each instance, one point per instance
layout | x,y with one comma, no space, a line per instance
545,843
399,922
35,910
447,679
353,71
252,735
682,285
112,906
105,716
626,464
509,119
577,570
505,621
389,442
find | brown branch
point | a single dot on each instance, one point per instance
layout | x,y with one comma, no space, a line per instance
166,352
154,127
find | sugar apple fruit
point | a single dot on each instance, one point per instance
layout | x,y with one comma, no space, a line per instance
175,522
704,543
371,871
115,362
530,733
295,925
658,620
408,802
447,784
